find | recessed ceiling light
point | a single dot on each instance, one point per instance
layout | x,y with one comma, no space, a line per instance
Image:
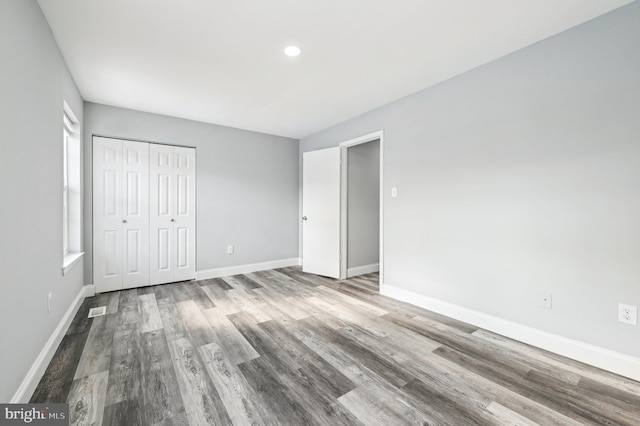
292,50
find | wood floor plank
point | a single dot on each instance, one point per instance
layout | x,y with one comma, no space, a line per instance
535,392
313,390
263,344
309,331
350,316
350,358
232,342
292,306
586,398
190,290
333,381
246,303
281,281
222,299
163,291
460,341
358,303
172,323
398,346
113,302
275,396
393,373
503,416
150,315
243,282
216,283
56,382
304,278
312,336
480,390
615,395
314,395
196,294
375,406
201,400
508,358
441,408
96,355
320,395
297,308
562,364
126,412
125,369
451,387
81,322
275,311
198,328
162,401
87,399
128,309
237,396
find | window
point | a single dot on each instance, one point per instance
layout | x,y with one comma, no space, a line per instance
71,200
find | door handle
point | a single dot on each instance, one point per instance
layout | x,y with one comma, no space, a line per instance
173,220
304,218
124,220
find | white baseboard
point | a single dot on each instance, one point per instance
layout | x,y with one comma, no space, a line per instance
89,290
615,362
30,382
245,269
360,270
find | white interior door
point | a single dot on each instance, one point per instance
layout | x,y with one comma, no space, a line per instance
184,175
120,214
135,213
321,212
172,221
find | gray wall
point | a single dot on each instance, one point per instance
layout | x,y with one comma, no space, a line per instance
520,178
34,82
363,204
247,184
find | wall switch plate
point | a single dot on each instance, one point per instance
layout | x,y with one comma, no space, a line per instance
50,301
229,249
545,302
628,314
394,192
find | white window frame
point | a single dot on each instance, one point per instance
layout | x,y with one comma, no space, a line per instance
71,176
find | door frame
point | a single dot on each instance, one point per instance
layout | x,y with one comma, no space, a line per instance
344,155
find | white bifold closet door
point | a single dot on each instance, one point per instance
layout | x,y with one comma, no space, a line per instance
121,214
172,220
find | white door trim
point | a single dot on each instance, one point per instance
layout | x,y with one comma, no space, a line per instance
344,149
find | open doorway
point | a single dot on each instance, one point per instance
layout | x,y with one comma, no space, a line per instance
361,206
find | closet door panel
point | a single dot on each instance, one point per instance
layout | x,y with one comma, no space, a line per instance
135,214
107,213
185,216
162,248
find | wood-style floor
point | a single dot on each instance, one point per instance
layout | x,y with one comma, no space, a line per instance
286,348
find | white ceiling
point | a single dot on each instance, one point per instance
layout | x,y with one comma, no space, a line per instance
221,61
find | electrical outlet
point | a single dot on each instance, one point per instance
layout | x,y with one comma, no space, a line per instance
545,302
628,314
50,301
229,249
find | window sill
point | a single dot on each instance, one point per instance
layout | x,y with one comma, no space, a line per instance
70,260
